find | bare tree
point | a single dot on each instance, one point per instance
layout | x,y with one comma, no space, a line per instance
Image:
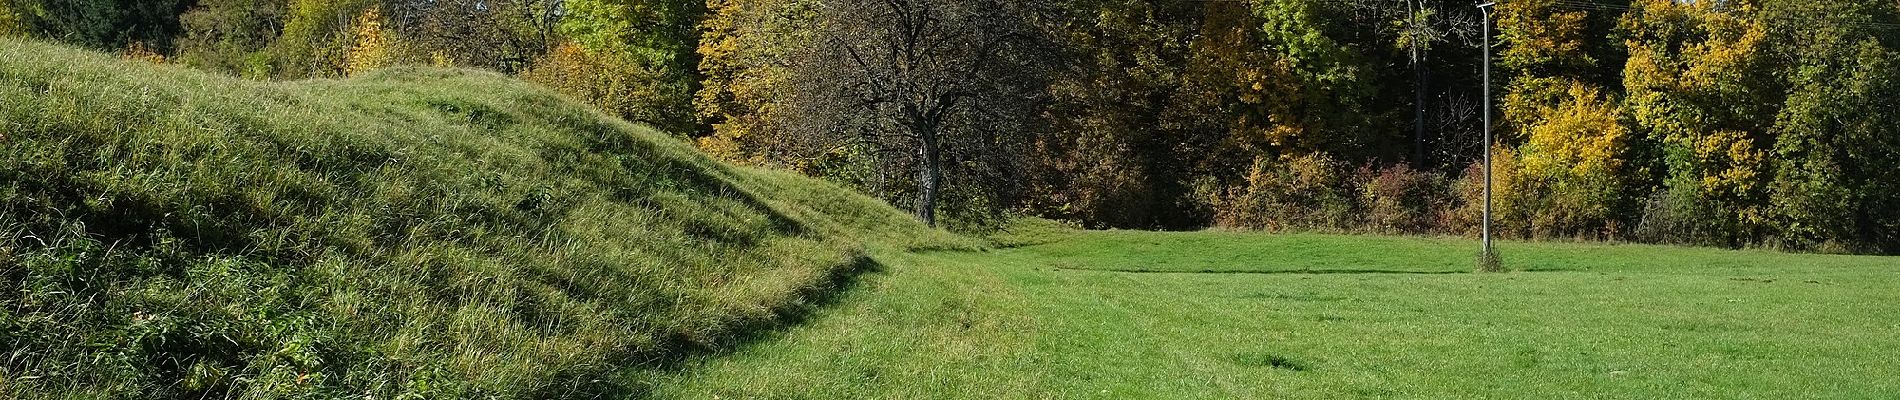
945,87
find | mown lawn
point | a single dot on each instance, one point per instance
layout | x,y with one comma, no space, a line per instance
1241,315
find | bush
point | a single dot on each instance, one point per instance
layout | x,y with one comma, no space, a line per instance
1316,193
1679,215
1304,193
1580,150
616,83
1399,199
1507,197
9,22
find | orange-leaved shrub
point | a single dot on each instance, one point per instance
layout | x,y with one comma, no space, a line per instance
1507,197
1305,192
1317,193
138,51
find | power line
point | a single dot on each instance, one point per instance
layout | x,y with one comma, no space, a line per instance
1595,6
1587,5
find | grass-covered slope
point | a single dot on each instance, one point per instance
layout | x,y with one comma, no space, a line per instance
170,233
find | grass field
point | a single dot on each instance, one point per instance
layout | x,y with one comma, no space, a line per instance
1242,315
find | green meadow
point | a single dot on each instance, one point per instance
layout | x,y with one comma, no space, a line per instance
1121,314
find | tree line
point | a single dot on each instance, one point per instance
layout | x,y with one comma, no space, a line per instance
1730,123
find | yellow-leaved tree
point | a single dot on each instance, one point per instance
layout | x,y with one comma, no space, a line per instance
1699,85
1575,160
743,53
1570,138
9,22
1541,38
373,48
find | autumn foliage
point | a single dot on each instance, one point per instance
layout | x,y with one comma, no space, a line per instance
1728,123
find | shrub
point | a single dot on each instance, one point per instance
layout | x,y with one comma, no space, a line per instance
9,22
1715,194
1399,199
316,38
1304,192
616,82
1676,215
373,48
138,51
1507,197
1579,152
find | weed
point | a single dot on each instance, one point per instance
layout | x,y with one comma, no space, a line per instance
1266,360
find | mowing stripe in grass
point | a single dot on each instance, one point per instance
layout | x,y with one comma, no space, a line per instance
1630,322
1270,272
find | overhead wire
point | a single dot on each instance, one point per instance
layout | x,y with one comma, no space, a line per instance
1588,5
1596,6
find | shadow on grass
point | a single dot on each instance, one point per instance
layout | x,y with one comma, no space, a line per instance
1288,271
1274,361
678,349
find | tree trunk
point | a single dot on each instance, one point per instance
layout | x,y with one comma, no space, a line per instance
929,179
1418,114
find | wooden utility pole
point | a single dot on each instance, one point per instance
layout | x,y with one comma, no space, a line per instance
1488,258
1413,24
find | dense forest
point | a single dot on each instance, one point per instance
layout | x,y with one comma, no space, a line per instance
1730,123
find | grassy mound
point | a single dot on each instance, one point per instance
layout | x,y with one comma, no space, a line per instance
431,232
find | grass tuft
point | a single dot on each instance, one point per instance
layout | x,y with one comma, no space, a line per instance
1266,360
1490,261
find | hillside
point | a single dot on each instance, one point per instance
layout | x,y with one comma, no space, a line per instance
412,232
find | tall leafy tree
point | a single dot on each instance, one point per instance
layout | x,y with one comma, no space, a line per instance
1103,161
101,24
1574,173
1835,139
745,54
231,35
655,43
1315,90
1699,84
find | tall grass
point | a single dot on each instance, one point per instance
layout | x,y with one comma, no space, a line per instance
414,232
